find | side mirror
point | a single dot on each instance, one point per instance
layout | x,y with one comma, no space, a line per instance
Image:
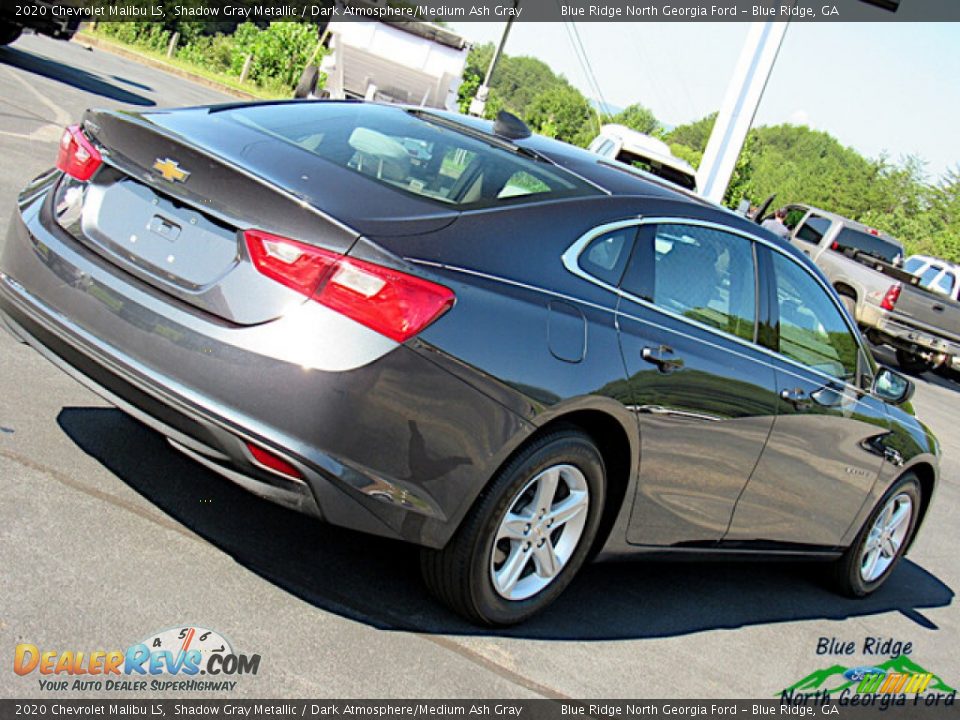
892,387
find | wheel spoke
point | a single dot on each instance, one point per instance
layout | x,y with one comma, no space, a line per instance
546,489
870,564
510,572
890,548
546,560
567,509
514,526
898,518
887,514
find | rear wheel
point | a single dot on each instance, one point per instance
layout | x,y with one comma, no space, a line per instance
9,33
882,540
913,364
527,535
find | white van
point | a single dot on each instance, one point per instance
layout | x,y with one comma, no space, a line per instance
619,142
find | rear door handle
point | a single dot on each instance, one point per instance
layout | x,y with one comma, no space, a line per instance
796,397
938,307
661,357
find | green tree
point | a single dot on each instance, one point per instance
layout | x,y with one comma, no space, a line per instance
639,118
562,113
693,135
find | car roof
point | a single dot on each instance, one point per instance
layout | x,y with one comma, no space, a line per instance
627,181
614,177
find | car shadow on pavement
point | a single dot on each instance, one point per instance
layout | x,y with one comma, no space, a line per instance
376,581
75,77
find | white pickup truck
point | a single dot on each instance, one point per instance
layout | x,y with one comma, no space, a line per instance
921,321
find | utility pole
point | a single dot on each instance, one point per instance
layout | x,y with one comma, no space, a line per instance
479,103
741,101
739,108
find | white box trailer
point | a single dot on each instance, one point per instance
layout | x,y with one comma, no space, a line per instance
414,63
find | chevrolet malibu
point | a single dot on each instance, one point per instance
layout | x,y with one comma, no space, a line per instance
511,352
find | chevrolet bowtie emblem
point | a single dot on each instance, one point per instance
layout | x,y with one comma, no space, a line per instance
170,170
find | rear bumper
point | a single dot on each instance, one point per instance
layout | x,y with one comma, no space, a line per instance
395,446
898,334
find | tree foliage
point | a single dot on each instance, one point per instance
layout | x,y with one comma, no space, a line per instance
639,118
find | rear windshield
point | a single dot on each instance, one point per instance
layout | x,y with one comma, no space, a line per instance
677,177
413,153
848,240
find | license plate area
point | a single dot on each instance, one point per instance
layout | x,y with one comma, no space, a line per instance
148,230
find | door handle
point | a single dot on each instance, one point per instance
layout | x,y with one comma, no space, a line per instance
796,397
827,397
938,307
660,356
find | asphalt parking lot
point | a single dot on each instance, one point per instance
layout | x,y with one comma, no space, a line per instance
108,535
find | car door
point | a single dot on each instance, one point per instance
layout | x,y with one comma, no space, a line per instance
808,235
703,392
823,454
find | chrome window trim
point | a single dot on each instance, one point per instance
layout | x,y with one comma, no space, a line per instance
571,257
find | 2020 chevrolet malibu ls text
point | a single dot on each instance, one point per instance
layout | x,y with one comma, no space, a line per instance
509,351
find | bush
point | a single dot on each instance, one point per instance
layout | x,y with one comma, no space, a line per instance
280,51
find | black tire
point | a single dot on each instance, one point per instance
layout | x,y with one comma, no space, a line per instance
848,577
460,574
9,33
308,82
912,364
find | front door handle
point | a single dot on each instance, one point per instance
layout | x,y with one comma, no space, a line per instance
796,397
828,396
661,357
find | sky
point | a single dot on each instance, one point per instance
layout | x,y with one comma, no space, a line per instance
889,88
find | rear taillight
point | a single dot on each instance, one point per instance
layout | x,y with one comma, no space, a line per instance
891,297
391,302
78,158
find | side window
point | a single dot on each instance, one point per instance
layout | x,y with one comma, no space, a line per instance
945,283
706,275
929,275
606,255
812,330
813,230
606,148
912,265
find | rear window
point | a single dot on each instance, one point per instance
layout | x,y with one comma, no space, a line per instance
849,240
412,153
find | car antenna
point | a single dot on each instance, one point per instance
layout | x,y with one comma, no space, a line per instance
511,127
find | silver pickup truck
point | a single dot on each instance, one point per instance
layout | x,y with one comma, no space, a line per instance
886,297
921,321
859,261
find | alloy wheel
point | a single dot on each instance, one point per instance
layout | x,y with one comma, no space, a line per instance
886,537
539,532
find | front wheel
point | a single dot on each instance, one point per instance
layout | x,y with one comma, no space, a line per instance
882,540
526,536
9,33
913,364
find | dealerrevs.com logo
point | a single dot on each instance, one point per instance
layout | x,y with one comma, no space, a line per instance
170,660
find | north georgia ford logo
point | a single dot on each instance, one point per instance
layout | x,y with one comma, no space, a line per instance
182,651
